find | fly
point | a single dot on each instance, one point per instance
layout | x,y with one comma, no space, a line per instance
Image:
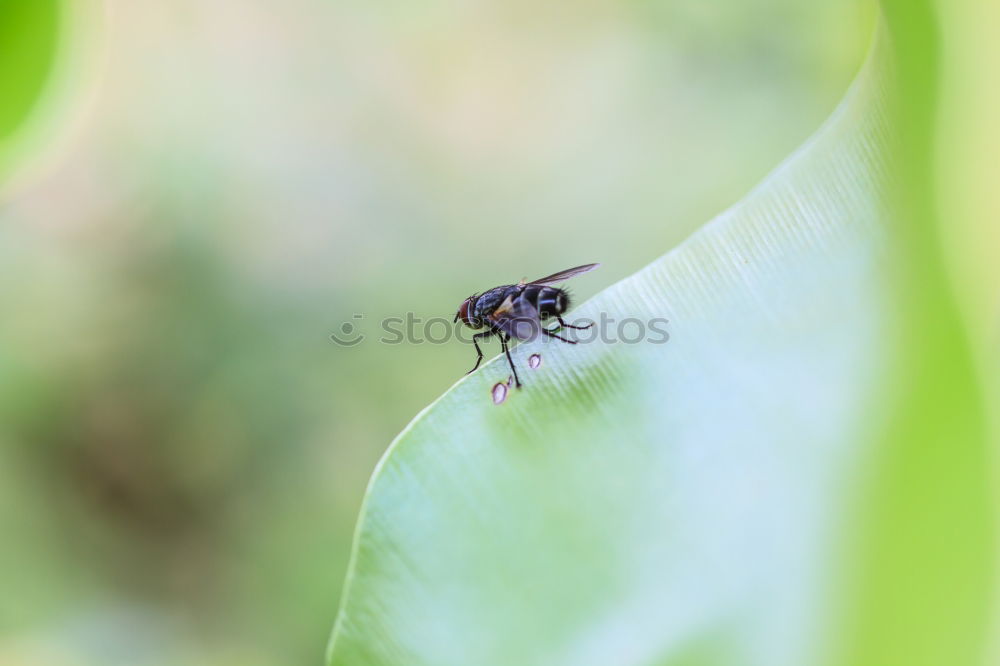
517,311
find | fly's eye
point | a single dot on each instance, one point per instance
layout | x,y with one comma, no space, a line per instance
463,313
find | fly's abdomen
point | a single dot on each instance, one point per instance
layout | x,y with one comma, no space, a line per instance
549,301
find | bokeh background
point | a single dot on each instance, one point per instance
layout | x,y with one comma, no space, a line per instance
203,192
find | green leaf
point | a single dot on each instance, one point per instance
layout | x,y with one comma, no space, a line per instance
652,503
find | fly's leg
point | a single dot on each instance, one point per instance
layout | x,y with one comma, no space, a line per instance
478,350
558,337
563,324
504,338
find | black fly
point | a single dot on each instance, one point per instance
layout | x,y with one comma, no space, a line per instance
518,310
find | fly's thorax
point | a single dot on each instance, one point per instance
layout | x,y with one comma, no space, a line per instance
489,301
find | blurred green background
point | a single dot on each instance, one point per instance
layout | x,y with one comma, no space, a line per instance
197,194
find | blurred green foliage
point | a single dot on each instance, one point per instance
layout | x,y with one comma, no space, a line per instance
925,591
29,37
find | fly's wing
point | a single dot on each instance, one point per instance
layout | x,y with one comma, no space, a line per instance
517,318
565,275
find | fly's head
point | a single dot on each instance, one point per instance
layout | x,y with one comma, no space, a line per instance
465,313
